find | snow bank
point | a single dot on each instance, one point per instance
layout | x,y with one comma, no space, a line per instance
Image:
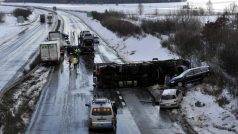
10,28
7,9
210,118
134,49
149,8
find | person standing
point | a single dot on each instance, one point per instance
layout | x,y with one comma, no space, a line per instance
70,61
75,62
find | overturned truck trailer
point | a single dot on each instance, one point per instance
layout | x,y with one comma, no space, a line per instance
112,75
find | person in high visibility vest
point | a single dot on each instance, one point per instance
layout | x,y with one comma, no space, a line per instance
75,62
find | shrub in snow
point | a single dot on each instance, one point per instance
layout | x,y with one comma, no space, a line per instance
22,12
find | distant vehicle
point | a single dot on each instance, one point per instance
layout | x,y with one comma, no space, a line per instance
50,18
50,51
86,43
171,98
56,35
82,34
54,8
96,40
190,75
101,114
42,18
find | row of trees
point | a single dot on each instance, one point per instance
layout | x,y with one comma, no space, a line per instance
95,1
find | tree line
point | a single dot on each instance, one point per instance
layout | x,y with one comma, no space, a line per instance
96,1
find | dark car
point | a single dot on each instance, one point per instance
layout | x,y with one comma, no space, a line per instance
190,75
96,40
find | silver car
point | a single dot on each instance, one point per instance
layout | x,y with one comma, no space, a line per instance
171,98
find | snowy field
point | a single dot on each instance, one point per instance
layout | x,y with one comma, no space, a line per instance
10,28
210,118
149,8
132,48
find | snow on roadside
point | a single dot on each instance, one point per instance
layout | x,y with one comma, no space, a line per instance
134,49
210,118
9,28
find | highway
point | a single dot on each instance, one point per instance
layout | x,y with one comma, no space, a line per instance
17,53
61,108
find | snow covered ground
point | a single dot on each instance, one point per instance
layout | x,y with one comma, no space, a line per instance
210,118
133,48
10,28
149,8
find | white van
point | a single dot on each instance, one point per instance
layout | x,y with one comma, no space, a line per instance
101,114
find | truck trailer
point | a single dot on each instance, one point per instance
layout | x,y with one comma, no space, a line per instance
141,74
56,35
50,52
42,18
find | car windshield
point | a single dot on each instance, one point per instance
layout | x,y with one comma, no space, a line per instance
168,97
87,34
101,111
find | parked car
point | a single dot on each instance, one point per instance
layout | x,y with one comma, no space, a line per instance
96,39
171,98
101,114
190,75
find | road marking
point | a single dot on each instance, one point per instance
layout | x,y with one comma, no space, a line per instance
120,97
123,104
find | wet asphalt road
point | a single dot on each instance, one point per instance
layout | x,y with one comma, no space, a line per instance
62,109
16,53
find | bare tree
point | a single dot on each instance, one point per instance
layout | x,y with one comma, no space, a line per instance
233,8
156,13
140,9
209,7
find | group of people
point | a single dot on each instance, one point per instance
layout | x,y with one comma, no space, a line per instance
73,56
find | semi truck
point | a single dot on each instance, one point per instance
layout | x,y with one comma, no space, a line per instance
141,74
56,35
42,18
50,52
86,43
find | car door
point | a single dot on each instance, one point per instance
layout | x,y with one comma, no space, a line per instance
197,74
188,77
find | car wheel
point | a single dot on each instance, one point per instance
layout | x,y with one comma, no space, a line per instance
180,84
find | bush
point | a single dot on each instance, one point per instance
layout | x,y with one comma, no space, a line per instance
2,15
114,21
222,101
22,12
121,27
159,26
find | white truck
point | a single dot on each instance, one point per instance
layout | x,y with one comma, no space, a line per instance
50,18
56,35
50,51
